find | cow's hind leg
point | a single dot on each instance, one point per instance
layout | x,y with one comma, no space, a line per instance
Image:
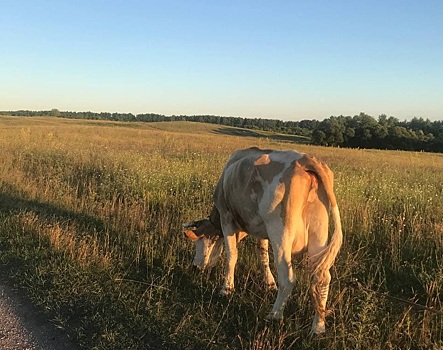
319,294
319,263
263,255
320,276
282,257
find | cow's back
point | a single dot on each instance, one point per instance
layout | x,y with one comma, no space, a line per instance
251,186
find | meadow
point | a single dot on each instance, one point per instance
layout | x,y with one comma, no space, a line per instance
90,228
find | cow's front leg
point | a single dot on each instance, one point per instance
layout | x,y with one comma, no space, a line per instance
263,255
282,256
231,255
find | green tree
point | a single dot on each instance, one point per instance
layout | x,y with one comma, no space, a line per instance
55,112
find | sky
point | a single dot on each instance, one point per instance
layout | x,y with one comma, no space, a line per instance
283,59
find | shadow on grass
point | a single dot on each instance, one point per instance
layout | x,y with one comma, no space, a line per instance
84,302
262,134
11,203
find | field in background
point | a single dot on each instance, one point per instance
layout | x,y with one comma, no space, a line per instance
90,217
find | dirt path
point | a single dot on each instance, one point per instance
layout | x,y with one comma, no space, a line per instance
22,327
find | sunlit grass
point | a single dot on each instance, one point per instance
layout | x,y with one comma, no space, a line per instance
90,225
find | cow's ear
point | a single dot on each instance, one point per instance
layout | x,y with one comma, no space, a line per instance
190,225
191,235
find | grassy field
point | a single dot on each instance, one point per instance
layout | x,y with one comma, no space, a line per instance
90,227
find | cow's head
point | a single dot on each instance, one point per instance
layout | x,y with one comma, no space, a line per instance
208,241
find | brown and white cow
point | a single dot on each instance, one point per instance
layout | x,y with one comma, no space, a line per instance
281,196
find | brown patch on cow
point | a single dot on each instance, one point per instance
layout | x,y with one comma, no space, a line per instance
267,169
298,183
262,160
323,172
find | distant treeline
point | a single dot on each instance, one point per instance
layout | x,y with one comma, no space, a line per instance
359,131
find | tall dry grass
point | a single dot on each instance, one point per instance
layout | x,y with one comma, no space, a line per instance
90,217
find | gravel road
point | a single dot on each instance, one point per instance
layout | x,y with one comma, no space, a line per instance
22,327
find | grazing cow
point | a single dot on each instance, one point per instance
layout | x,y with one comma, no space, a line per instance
281,196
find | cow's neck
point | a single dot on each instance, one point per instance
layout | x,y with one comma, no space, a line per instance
214,218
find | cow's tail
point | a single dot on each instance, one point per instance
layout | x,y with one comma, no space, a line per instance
322,262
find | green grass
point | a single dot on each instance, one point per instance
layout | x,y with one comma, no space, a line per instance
90,226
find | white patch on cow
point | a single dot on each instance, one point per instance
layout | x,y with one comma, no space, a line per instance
207,252
286,157
271,197
199,254
269,201
216,251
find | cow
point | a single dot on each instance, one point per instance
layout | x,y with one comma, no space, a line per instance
281,196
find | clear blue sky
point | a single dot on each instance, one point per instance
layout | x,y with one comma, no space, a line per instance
288,60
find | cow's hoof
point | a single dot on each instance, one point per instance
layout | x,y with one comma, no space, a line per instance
275,316
226,291
271,286
318,328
